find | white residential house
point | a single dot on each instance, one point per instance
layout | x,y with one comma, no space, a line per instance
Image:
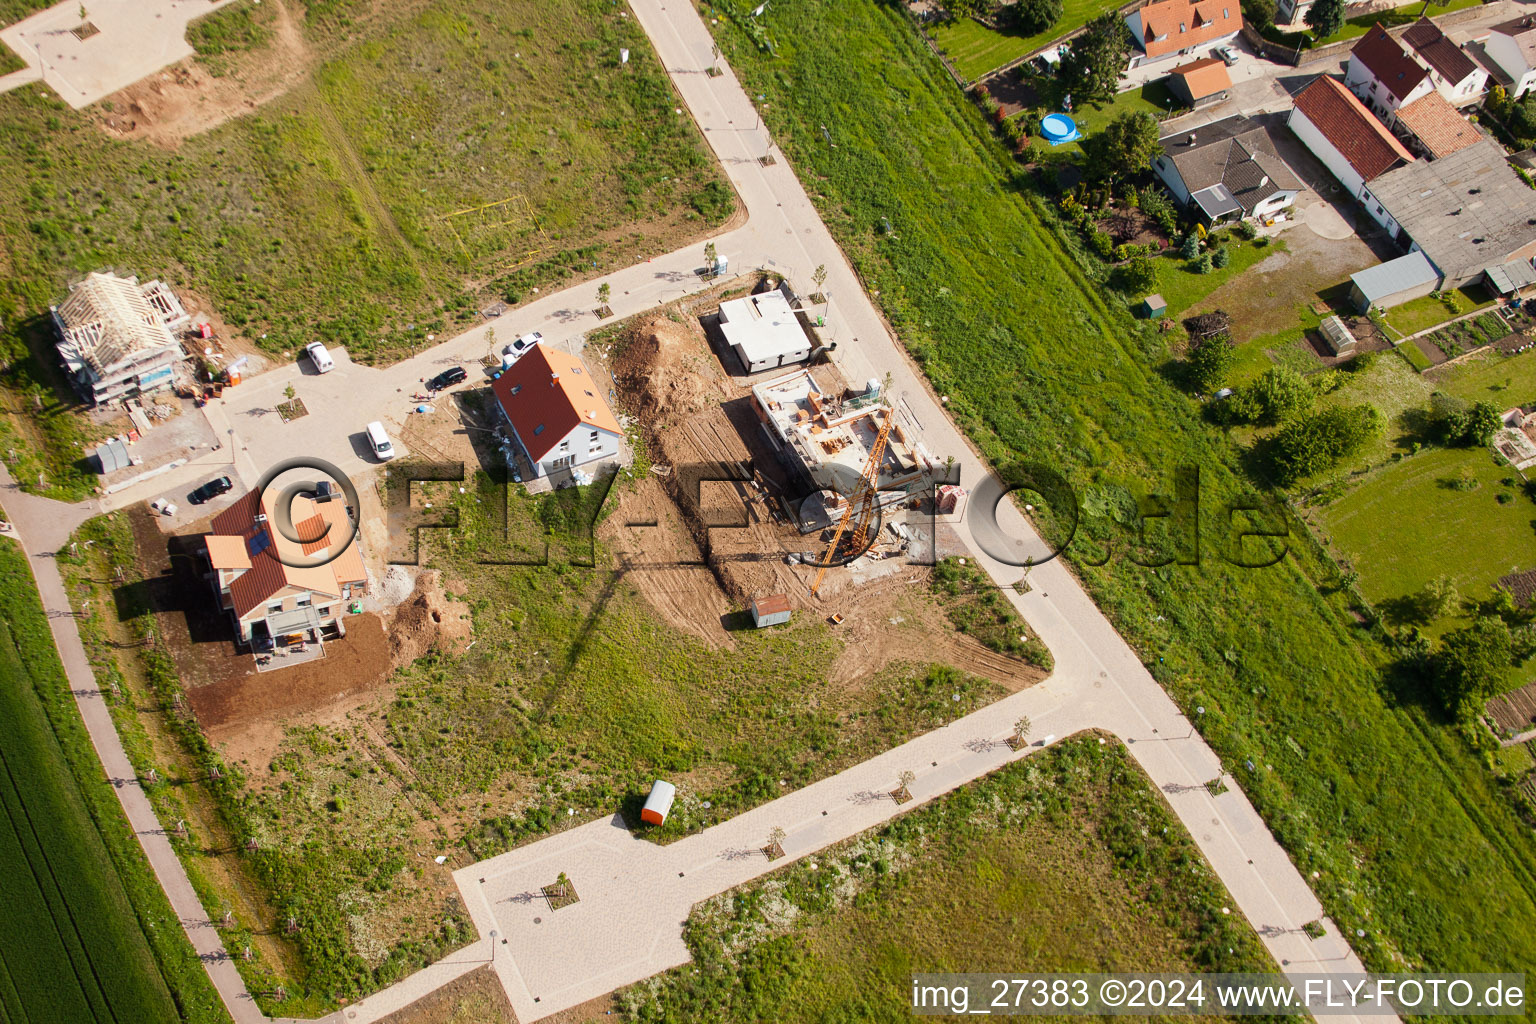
1512,46
1383,74
764,331
1355,147
1226,170
555,411
1456,76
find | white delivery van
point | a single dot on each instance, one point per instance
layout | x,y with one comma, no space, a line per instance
379,441
320,357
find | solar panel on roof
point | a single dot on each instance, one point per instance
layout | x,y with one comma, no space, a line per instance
257,542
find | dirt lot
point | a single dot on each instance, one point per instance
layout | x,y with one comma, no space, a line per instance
1266,298
185,99
696,413
246,711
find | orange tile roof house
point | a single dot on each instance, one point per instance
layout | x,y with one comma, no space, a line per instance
1171,28
271,600
1434,128
1200,81
558,418
1346,137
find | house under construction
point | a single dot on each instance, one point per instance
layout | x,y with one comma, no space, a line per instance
116,336
826,440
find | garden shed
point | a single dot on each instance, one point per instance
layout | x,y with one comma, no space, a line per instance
1394,282
770,610
1152,307
659,803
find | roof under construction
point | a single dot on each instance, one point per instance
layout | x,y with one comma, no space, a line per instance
107,321
827,432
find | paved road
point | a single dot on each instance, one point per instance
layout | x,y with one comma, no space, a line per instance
43,527
626,926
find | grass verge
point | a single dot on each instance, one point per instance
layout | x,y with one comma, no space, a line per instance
1410,840
88,934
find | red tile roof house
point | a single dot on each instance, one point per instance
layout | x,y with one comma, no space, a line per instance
1349,140
1387,74
1457,77
1173,28
275,602
558,419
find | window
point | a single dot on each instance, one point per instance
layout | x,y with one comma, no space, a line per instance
594,437
516,388
274,607
324,609
302,602
575,369
538,430
564,445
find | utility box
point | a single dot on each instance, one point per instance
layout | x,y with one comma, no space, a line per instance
658,803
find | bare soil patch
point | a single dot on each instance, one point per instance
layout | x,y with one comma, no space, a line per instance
698,557
185,100
475,998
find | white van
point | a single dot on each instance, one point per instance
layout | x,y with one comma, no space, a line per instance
379,441
320,357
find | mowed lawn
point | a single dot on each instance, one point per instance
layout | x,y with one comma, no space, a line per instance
975,49
1067,861
71,948
1409,524
1415,848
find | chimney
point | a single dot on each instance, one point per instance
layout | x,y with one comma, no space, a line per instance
261,517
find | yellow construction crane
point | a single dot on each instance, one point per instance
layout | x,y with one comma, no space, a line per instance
864,497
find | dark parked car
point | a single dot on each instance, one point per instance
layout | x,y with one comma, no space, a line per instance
447,379
210,490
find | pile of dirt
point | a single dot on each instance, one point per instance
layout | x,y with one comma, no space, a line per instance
427,619
667,373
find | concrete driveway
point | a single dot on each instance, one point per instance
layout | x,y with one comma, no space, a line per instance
132,39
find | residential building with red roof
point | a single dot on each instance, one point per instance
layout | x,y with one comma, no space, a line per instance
281,589
1389,71
1456,76
1383,74
1349,140
558,418
1174,28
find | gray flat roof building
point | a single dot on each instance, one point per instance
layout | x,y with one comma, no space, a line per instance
1467,211
1393,282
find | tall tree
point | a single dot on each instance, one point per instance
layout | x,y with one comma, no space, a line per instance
1471,664
1325,17
1030,16
1123,147
1095,60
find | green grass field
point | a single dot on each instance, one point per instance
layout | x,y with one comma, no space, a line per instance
436,161
574,696
74,946
975,49
1412,840
1408,524
1069,861
1422,313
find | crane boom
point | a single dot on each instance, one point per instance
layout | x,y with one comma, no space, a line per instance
863,498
